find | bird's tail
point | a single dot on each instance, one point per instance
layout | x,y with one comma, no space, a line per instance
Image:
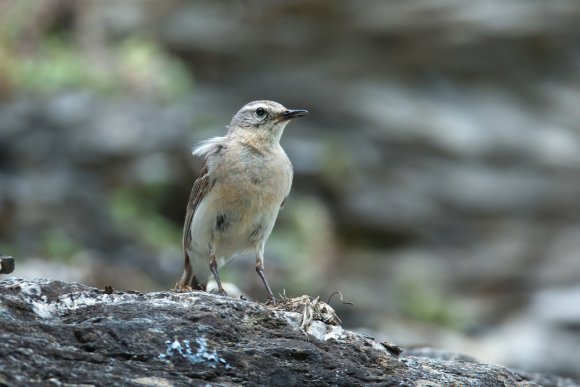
188,279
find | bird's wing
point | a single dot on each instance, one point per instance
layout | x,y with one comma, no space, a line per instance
198,191
206,149
201,187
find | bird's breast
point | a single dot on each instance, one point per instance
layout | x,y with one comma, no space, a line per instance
253,187
248,190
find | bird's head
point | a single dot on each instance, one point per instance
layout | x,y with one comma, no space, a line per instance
264,119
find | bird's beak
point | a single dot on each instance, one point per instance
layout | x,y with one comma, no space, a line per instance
292,113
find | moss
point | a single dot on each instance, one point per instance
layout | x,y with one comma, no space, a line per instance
337,162
134,65
59,246
136,212
427,305
55,66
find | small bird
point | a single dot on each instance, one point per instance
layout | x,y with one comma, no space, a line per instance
245,180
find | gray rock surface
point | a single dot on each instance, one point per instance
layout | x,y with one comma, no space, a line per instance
6,264
57,333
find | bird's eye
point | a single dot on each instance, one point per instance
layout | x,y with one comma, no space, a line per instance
260,112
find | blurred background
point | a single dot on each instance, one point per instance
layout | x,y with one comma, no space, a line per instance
436,179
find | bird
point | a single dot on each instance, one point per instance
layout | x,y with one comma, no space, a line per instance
245,179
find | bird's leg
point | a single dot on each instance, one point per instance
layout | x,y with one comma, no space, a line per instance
214,270
260,271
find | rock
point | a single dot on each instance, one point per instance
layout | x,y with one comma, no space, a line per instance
168,339
6,264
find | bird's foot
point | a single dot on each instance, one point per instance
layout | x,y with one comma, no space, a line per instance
271,300
223,293
179,288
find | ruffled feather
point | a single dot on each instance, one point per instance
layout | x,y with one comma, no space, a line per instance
206,147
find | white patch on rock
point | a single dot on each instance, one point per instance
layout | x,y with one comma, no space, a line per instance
153,381
46,309
30,289
325,332
335,333
202,355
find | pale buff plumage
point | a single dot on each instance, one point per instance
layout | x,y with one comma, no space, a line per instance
234,203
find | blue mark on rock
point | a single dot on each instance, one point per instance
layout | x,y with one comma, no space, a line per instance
202,355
